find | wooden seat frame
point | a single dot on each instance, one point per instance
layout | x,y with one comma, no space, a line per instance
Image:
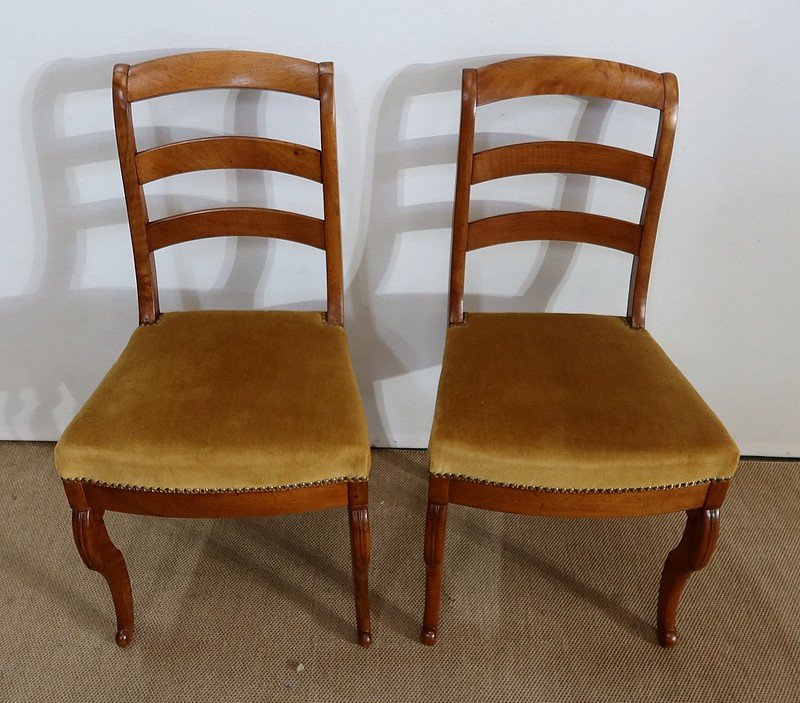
549,75
199,71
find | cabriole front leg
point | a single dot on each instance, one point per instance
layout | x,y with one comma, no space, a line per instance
692,554
99,554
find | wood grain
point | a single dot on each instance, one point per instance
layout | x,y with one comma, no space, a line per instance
360,550
525,501
466,141
693,552
554,225
569,75
215,505
99,554
204,70
228,152
143,259
236,221
435,530
330,196
563,157
651,209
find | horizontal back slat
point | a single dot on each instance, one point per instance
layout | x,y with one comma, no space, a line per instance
228,152
235,221
555,225
568,75
204,70
563,157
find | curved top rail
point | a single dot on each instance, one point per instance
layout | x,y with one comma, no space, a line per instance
205,70
569,75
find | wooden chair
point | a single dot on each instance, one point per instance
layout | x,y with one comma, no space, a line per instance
222,414
570,415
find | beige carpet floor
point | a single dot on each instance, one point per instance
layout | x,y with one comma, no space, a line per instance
534,609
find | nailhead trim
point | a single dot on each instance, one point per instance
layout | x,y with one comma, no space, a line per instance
200,491
546,489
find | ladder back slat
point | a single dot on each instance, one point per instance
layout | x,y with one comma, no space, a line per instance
556,225
228,152
235,221
563,157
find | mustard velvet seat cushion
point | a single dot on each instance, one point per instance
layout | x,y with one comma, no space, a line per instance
570,402
218,400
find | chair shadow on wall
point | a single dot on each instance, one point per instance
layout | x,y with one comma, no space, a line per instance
381,348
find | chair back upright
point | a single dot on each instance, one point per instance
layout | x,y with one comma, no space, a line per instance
227,69
563,75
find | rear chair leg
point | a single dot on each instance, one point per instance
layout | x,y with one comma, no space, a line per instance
692,554
360,548
435,524
99,554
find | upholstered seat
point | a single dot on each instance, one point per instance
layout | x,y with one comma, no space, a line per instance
570,402
216,400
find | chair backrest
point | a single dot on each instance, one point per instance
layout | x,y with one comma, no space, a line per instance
228,69
563,75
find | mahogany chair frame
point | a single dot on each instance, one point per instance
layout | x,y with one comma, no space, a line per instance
593,78
199,71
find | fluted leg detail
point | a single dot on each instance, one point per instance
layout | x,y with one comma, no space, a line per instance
361,548
435,524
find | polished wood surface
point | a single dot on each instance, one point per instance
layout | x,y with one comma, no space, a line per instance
360,551
554,225
589,78
563,157
330,196
198,71
466,143
693,552
215,505
233,221
528,501
435,528
99,554
228,69
541,75
228,152
654,199
569,75
143,258
203,70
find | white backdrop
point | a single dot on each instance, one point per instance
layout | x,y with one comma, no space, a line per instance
724,294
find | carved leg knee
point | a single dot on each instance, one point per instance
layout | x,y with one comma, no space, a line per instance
691,554
360,547
100,554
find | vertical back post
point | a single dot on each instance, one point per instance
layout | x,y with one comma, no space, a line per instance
330,195
654,198
144,259
466,142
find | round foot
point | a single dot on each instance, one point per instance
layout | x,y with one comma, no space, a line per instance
123,638
365,639
428,637
667,638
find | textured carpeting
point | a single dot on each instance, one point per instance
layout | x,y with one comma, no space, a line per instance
534,609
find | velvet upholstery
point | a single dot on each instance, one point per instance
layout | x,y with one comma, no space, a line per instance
221,400
570,402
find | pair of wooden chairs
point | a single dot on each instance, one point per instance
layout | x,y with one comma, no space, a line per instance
238,414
